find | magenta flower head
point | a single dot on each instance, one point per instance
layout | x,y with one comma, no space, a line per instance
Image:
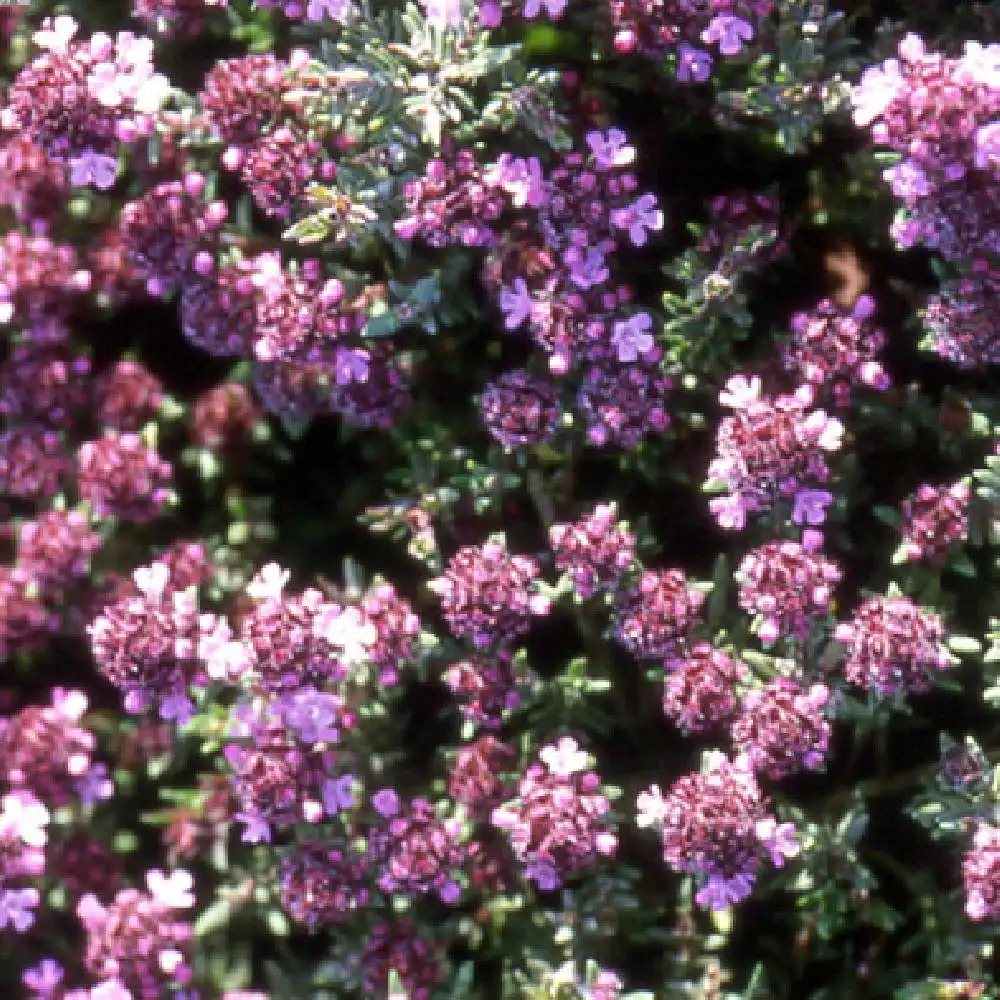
489,596
556,824
594,551
700,691
782,728
715,825
934,519
892,646
786,588
769,449
656,615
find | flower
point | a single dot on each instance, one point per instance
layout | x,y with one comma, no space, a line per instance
729,32
639,217
632,337
693,64
93,168
610,149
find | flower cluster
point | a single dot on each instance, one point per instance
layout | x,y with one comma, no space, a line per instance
940,114
934,518
771,450
489,596
892,646
700,690
486,687
781,729
138,940
655,616
520,409
594,551
715,825
47,752
414,849
78,100
557,823
787,586
321,884
831,347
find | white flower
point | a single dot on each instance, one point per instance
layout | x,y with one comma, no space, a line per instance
172,890
268,583
565,758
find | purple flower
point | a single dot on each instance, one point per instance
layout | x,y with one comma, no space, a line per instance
93,168
586,268
257,830
631,337
44,977
554,8
338,794
386,802
809,506
720,892
95,785
516,304
352,365
16,906
637,218
730,32
610,150
693,64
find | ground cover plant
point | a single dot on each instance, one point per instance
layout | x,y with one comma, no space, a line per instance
499,499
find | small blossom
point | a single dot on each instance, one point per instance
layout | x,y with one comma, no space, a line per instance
632,337
729,32
641,217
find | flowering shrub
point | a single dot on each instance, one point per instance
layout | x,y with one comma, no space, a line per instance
458,538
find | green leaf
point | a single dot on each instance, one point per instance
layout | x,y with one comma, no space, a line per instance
964,645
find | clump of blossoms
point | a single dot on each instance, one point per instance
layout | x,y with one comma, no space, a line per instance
78,100
520,409
594,551
45,750
147,644
934,518
832,347
558,823
892,646
940,114
138,939
398,948
655,616
782,729
771,450
489,596
120,477
715,825
700,690
786,585
322,884
981,874
959,322
486,687
413,849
